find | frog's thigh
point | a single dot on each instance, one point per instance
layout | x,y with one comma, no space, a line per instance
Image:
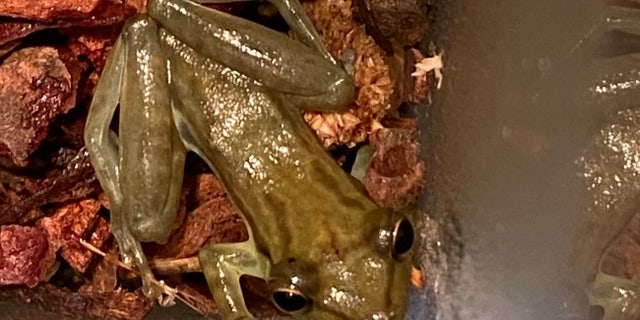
282,65
622,18
147,172
297,19
223,264
152,156
612,20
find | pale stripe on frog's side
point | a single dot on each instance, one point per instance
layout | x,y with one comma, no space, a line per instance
235,90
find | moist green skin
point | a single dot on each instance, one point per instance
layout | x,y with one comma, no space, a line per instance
190,78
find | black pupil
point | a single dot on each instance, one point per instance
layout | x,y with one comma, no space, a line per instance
289,301
404,237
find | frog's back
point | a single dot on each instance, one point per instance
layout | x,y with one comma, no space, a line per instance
292,194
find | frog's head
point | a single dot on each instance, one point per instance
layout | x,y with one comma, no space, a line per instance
365,281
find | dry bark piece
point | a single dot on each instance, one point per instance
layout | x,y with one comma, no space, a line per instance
11,30
416,87
374,86
213,220
395,176
365,15
25,255
401,22
76,181
201,301
35,87
73,222
107,13
47,10
208,187
115,304
623,257
104,276
95,43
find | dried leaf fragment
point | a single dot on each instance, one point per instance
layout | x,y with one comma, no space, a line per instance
342,35
429,64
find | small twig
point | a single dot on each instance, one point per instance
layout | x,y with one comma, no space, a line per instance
167,290
169,267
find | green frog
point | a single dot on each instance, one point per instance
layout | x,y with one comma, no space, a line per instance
187,77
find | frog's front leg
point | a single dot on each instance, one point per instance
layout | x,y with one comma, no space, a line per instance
141,171
223,264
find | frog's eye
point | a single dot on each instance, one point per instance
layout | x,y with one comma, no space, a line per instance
290,300
403,237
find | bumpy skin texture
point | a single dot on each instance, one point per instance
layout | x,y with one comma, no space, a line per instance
232,91
610,164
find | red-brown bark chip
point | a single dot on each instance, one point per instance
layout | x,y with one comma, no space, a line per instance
417,88
73,222
623,257
25,255
95,44
11,30
46,10
396,173
115,304
35,87
214,219
403,22
208,187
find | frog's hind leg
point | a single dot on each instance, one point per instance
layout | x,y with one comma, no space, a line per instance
223,264
296,17
103,147
144,188
612,52
275,61
613,20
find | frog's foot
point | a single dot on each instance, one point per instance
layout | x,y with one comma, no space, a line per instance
132,254
619,297
223,264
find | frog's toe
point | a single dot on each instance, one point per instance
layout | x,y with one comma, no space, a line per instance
619,297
